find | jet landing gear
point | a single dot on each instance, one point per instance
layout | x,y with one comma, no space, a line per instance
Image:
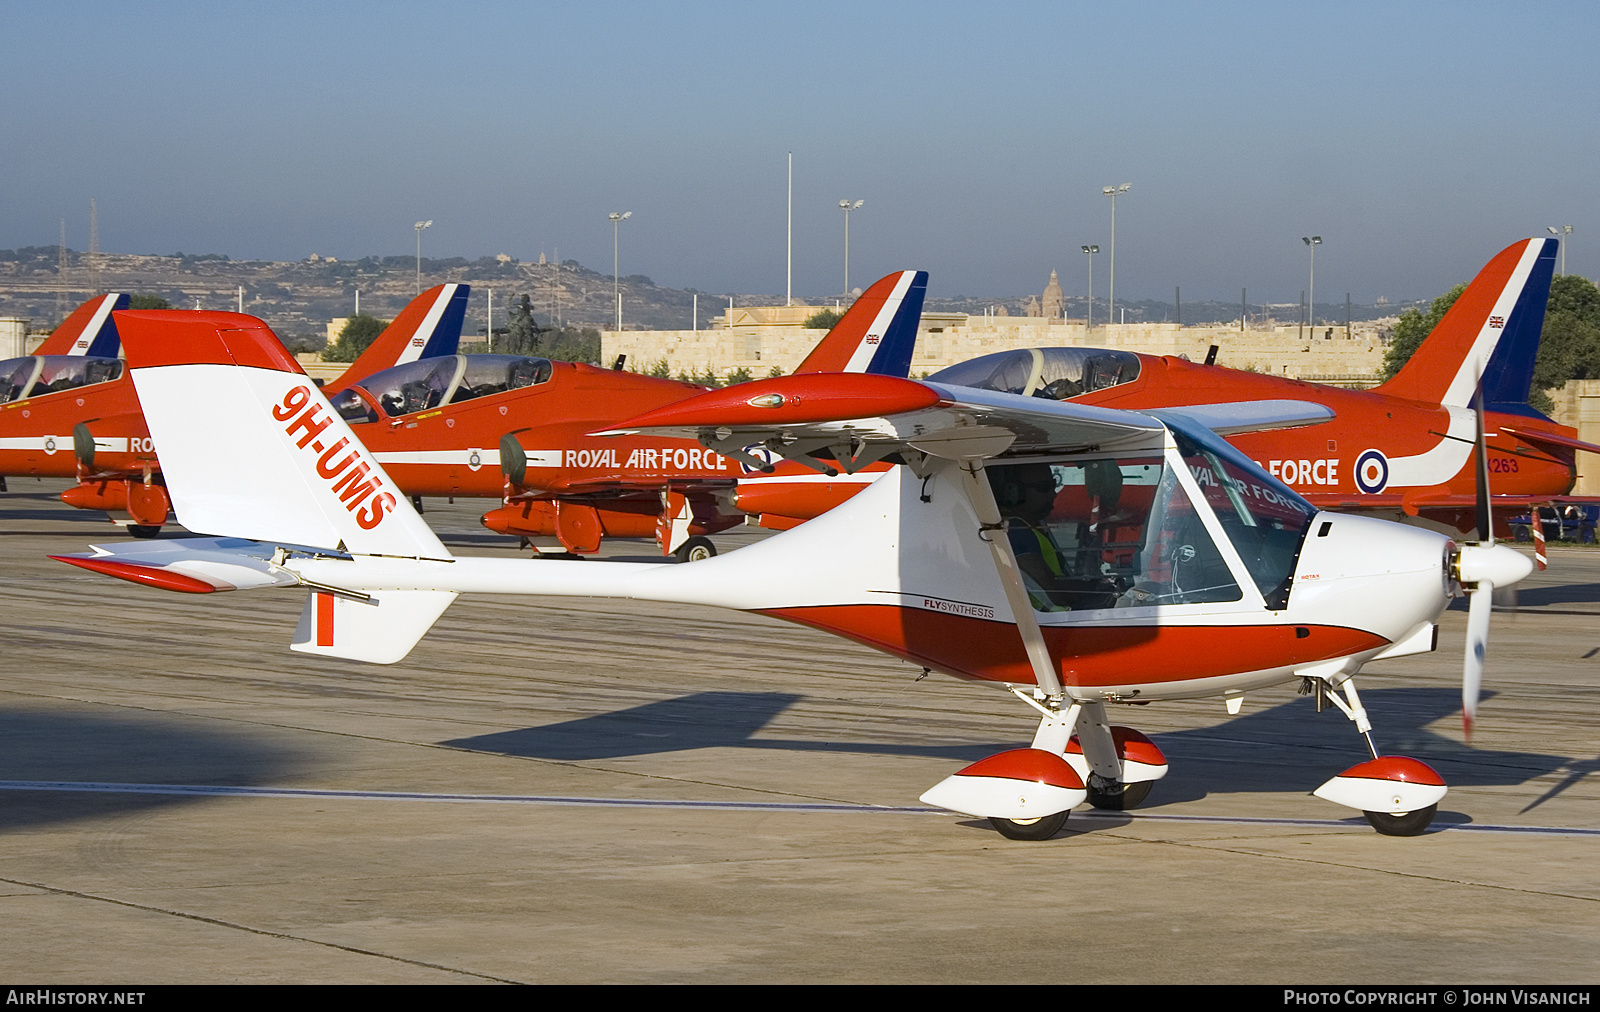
1027,793
1398,796
696,549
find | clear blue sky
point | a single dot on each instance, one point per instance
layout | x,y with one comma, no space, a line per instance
1418,139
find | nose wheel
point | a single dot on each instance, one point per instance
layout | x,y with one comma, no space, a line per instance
1042,828
1409,824
1398,796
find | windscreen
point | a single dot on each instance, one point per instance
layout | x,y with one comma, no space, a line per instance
16,375
1265,519
414,386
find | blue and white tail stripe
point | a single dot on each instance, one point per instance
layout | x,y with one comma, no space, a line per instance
896,324
439,333
1508,377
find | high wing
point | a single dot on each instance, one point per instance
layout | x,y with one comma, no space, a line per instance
90,330
857,420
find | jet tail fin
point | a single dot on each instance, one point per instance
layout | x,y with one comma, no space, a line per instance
877,333
250,448
429,326
90,330
1492,331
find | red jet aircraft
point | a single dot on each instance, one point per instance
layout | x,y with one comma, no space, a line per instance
517,428
69,410
1402,450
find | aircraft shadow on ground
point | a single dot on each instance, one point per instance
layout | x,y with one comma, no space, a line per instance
62,746
1274,749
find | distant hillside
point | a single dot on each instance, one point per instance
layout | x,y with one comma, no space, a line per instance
301,296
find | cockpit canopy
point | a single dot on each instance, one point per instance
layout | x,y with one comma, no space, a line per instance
1102,531
1054,373
37,375
430,382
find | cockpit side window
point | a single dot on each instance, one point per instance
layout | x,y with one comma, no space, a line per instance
1114,532
495,374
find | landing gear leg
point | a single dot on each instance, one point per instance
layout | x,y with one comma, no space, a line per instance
1099,753
1398,796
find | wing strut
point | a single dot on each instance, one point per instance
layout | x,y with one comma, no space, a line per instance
968,447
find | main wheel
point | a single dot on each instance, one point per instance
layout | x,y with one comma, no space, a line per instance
1409,824
1130,797
696,549
1042,828
144,530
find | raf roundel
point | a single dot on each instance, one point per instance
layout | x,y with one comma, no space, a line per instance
1372,472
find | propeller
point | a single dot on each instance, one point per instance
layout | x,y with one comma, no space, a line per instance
1481,567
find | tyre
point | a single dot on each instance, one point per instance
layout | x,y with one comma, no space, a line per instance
144,530
1030,829
1130,797
696,549
1409,824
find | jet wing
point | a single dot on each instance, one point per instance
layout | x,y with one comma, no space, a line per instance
858,419
628,484
1412,502
1250,416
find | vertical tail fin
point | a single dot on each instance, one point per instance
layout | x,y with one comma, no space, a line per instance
1493,328
429,326
90,330
877,333
250,447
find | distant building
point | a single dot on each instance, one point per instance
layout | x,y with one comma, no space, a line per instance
13,337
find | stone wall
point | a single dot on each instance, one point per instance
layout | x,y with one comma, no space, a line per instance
1328,357
1578,404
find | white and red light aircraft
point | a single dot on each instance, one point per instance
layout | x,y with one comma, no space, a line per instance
1078,555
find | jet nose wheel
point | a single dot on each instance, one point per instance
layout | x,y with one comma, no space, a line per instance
1042,828
696,549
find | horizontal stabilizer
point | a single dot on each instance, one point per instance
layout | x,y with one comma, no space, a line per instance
1537,436
381,629
188,565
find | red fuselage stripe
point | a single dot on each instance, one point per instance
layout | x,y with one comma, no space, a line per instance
991,650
